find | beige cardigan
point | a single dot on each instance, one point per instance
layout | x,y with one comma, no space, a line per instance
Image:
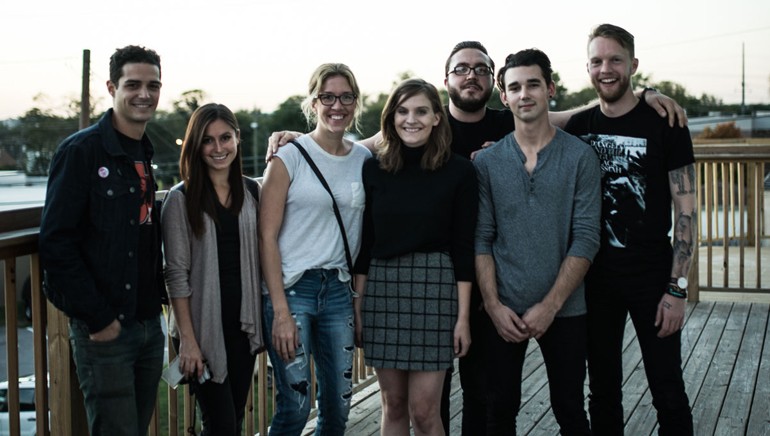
192,270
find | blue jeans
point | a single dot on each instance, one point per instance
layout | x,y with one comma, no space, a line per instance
322,307
119,378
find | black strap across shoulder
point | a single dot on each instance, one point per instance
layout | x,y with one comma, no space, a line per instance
337,214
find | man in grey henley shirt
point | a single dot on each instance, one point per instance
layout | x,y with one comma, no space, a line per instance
537,232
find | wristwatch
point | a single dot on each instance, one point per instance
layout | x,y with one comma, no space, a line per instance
677,287
681,282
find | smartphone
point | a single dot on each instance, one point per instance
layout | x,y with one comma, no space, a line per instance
171,374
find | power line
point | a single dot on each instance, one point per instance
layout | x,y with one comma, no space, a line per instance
705,38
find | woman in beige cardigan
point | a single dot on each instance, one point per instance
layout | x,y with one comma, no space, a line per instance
212,268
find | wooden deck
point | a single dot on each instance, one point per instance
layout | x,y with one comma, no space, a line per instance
726,357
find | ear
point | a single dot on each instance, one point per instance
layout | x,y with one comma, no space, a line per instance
502,98
111,88
634,66
588,70
551,89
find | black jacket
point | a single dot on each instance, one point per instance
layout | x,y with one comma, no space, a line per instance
89,232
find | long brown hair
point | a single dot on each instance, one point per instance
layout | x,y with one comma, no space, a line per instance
437,149
200,196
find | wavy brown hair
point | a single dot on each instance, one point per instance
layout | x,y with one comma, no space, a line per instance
437,149
200,196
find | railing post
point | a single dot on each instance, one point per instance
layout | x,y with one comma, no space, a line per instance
11,346
38,337
68,415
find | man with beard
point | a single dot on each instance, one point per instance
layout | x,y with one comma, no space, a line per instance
646,165
469,80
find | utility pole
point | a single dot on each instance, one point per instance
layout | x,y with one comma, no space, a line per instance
254,126
85,93
743,78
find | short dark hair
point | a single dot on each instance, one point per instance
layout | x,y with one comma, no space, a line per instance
619,34
462,46
131,54
526,58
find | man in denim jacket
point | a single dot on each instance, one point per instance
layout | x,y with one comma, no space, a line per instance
100,250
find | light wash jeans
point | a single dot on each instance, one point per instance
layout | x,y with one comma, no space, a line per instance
119,378
322,307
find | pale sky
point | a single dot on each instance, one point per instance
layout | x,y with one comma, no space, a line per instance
255,54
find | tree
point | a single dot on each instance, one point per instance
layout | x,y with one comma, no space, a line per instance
370,119
721,131
40,133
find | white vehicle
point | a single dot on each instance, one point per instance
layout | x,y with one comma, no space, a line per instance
27,419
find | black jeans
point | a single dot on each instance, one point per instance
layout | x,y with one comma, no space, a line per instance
473,374
222,404
564,353
608,307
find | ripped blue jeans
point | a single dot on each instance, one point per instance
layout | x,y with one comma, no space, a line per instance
322,307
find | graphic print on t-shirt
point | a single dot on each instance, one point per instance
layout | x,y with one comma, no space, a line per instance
622,160
145,212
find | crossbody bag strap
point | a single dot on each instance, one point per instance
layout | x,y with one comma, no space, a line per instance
337,213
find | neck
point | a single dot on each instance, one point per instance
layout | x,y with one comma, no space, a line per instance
620,107
128,128
465,116
330,142
535,135
221,186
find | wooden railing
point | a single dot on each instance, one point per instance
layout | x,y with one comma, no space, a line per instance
733,233
733,259
18,238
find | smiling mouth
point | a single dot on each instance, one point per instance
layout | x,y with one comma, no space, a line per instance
223,157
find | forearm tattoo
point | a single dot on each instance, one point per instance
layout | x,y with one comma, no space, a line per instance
683,242
684,179
686,222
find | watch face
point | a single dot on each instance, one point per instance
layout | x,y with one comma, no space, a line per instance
682,282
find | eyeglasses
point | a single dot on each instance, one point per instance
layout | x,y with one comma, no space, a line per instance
329,99
465,70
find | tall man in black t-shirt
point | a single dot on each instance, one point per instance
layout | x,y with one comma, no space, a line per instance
646,165
100,250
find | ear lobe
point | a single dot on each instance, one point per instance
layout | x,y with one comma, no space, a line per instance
111,88
634,66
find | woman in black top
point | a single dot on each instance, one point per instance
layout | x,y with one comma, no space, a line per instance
416,262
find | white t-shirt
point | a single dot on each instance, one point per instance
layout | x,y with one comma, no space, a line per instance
310,236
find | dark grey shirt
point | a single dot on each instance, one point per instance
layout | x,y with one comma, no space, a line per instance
531,223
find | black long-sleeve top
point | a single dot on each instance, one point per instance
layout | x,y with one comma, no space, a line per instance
416,210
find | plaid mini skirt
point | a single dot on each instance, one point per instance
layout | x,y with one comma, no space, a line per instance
409,312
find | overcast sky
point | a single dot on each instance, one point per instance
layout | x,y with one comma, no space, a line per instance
255,54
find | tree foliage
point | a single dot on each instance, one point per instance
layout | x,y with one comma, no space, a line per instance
32,139
721,131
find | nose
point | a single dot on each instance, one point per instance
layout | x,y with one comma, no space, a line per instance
144,92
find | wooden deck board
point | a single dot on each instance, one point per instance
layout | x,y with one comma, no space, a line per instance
726,359
759,417
734,415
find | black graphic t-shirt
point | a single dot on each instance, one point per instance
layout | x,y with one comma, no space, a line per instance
636,151
147,294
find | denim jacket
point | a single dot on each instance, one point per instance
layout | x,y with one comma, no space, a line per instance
89,232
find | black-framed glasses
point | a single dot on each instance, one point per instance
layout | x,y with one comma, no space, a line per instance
465,70
328,99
